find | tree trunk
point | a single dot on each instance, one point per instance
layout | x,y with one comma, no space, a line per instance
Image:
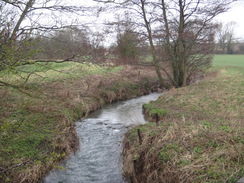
181,61
22,17
152,47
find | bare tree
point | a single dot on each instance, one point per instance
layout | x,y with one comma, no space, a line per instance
21,19
62,44
148,25
187,33
128,41
226,37
143,16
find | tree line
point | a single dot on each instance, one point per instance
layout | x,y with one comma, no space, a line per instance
181,33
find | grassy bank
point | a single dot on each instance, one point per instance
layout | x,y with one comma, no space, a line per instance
195,133
37,120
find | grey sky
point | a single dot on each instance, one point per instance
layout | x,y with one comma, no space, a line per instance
236,14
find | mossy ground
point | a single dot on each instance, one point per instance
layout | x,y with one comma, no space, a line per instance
199,136
37,123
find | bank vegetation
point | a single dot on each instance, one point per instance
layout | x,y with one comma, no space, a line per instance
195,134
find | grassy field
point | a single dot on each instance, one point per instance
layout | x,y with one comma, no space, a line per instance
43,72
199,137
229,60
37,119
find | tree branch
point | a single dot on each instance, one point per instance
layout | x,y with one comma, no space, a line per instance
2,170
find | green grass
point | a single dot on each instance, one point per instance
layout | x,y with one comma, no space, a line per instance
230,64
228,60
42,72
218,60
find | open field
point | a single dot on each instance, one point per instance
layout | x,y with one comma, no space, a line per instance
43,72
199,134
229,60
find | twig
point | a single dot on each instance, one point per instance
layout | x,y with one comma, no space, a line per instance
2,83
2,170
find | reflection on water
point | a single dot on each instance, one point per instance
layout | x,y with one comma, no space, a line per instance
99,157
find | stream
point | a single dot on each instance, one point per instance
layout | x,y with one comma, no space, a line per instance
101,134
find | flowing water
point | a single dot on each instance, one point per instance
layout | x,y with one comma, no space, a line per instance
98,159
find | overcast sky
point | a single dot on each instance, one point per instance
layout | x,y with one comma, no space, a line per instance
236,14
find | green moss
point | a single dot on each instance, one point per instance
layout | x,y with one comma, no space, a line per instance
147,106
184,162
136,157
164,155
168,152
158,111
225,128
197,150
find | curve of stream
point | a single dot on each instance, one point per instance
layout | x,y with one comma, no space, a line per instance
99,157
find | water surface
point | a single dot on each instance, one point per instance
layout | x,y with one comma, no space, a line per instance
98,159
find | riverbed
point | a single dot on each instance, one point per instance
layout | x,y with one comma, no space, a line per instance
99,159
